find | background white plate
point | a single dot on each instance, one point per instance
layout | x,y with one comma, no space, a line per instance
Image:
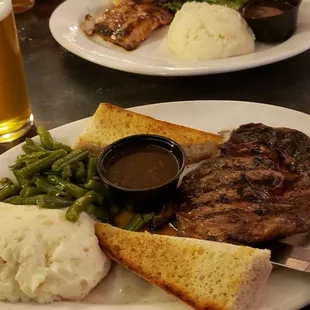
153,56
285,290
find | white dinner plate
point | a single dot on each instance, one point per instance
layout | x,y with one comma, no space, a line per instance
122,290
152,57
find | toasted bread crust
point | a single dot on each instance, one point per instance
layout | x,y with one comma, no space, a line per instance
114,254
110,123
169,288
172,264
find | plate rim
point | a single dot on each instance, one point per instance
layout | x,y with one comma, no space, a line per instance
155,306
153,70
138,107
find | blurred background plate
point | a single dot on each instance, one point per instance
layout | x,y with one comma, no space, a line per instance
152,57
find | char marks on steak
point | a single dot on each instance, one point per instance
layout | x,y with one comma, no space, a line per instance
128,23
258,189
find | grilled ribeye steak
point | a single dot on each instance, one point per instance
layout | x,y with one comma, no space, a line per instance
127,24
258,189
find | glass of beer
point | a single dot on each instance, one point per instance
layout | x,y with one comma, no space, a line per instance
21,6
15,115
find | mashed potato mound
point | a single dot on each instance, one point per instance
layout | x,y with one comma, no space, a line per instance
45,258
204,31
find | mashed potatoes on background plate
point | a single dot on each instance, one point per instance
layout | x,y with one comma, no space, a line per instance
203,31
45,258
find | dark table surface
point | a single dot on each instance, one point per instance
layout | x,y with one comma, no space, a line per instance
64,87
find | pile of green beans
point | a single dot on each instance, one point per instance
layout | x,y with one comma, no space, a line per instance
52,175
139,220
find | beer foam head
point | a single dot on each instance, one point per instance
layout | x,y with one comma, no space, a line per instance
5,8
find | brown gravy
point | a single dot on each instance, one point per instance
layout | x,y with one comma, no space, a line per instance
142,167
267,9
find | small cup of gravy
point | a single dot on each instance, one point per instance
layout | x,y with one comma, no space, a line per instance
272,21
142,171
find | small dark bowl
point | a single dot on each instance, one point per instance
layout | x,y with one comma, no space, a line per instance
273,29
142,200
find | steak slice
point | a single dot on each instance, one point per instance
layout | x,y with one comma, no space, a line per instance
244,223
256,190
287,147
220,170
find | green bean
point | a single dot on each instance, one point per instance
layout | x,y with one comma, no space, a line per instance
44,185
147,217
59,146
91,168
70,159
30,191
69,187
80,172
5,181
66,173
98,187
99,213
41,164
46,138
18,200
80,205
27,159
114,209
8,191
31,156
21,180
90,209
98,198
136,223
59,187
53,202
17,165
21,157
48,172
47,187
29,141
28,149
139,220
97,179
38,155
30,161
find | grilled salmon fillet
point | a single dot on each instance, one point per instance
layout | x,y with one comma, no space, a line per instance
127,24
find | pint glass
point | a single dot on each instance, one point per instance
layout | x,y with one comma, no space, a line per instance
15,114
20,6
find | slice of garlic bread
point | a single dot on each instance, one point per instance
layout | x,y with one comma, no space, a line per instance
204,274
111,123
